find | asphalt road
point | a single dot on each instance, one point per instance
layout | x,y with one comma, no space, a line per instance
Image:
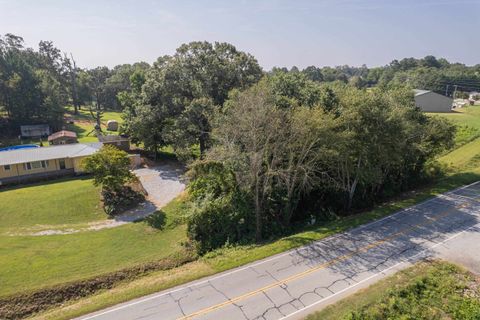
292,284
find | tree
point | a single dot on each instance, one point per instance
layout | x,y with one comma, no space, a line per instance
97,85
175,86
192,127
32,87
110,168
313,73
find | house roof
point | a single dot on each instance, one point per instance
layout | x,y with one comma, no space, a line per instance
60,134
35,126
112,138
419,92
48,153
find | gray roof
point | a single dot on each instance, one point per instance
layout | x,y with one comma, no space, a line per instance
48,153
419,92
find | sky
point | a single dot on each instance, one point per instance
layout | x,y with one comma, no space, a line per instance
276,32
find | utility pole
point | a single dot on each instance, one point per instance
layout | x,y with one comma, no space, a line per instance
455,91
446,91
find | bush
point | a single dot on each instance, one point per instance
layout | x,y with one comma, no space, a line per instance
220,211
115,202
216,222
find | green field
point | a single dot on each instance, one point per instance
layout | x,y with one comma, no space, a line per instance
30,262
428,290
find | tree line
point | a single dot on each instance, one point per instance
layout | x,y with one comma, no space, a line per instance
37,85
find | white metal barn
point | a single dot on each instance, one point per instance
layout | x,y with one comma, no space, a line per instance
429,101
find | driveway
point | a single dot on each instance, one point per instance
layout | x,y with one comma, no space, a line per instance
292,284
163,182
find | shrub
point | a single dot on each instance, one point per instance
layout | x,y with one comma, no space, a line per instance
117,201
215,222
220,211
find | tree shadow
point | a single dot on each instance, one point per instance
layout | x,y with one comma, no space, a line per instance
157,220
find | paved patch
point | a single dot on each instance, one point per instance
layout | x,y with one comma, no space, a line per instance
292,284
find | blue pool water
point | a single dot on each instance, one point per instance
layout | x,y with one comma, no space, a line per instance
23,146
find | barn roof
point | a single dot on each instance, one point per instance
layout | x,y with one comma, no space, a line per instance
63,133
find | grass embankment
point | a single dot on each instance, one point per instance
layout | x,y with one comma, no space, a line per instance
30,263
428,290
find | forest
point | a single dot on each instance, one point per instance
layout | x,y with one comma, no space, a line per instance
266,150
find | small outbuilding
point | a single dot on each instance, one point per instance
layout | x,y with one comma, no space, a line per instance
62,137
112,125
121,142
35,130
429,101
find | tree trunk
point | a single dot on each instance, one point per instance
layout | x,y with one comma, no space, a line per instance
203,144
353,187
258,214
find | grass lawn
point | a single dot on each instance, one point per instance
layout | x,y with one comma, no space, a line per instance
33,262
467,120
50,203
428,290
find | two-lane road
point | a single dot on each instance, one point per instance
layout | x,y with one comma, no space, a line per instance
294,283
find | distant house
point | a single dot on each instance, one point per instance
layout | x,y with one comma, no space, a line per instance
62,137
34,131
429,101
121,142
22,165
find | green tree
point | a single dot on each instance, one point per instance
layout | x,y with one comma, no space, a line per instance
198,70
110,168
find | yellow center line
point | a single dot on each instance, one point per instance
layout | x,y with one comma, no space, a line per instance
319,267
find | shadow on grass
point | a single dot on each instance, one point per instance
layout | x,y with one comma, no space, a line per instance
157,220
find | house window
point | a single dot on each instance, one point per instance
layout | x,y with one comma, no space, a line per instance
36,165
7,167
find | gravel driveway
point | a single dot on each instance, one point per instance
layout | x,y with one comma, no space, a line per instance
163,182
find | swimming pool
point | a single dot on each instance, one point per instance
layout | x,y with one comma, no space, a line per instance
22,146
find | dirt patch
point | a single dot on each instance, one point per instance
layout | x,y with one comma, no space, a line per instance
23,305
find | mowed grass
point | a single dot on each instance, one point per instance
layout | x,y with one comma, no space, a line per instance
32,262
50,203
84,124
467,120
463,158
428,290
